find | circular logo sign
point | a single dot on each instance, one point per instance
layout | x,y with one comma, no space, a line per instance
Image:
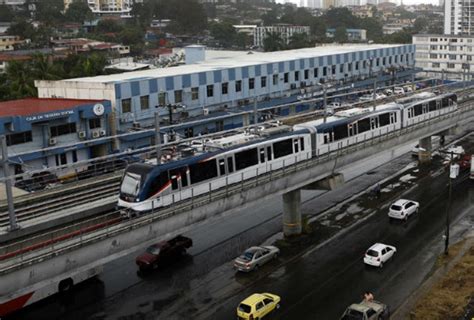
98,109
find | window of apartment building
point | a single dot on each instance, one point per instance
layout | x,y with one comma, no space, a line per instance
225,88
210,90
389,60
74,156
452,57
275,79
341,68
251,83
315,72
325,71
364,64
63,129
378,62
349,67
451,48
434,39
433,47
61,159
178,96
384,61
144,102
126,105
453,40
94,123
263,82
306,74
435,65
195,93
333,69
451,65
433,56
162,98
19,138
297,76
285,77
396,59
238,85
469,58
357,65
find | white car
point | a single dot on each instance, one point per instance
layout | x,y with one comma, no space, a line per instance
398,90
403,208
379,254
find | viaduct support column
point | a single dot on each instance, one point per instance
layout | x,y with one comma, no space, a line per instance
292,213
424,153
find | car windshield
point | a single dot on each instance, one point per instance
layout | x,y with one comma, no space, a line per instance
248,255
130,184
153,250
396,208
372,253
244,308
353,315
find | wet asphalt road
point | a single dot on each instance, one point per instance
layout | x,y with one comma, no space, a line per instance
320,284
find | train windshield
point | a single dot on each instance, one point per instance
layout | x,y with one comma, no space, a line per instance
131,184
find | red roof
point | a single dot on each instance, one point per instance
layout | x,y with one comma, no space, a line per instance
31,106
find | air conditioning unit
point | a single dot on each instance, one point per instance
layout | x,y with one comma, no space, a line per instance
95,134
82,134
102,133
206,111
52,141
136,125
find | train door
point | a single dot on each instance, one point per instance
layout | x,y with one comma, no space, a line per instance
392,118
221,165
179,180
374,123
351,129
424,108
410,112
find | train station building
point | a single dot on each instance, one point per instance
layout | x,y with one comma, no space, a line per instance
228,84
44,133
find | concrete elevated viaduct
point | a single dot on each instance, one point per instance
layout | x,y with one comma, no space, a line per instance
25,273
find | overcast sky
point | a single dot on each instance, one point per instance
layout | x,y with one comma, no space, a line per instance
397,1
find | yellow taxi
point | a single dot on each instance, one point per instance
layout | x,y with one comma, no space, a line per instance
257,306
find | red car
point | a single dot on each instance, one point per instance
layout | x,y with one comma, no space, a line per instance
163,252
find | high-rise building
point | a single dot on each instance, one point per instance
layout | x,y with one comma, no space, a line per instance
459,17
314,4
326,4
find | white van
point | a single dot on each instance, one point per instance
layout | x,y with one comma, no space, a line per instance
398,90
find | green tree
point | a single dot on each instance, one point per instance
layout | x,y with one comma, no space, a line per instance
23,29
273,42
189,17
224,32
6,14
134,37
79,11
340,17
299,40
421,24
20,81
269,18
318,28
50,11
108,25
43,68
340,35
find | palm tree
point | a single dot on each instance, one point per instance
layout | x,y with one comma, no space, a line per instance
43,68
20,81
273,42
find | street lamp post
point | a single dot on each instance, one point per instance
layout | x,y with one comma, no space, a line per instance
453,173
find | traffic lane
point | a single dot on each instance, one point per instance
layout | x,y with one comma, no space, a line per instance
324,282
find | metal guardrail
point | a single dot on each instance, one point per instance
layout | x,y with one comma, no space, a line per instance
24,258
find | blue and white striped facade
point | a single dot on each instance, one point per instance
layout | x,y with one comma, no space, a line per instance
302,67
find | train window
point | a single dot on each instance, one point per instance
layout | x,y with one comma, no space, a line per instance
184,176
340,131
282,148
384,119
453,97
203,170
302,144
269,153
174,182
158,184
418,109
222,167
363,125
246,158
432,105
230,164
262,155
445,103
295,143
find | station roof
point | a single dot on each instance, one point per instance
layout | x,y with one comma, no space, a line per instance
245,59
31,106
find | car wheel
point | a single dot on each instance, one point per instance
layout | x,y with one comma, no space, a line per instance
277,306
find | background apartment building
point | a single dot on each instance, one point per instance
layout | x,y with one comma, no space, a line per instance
285,32
458,17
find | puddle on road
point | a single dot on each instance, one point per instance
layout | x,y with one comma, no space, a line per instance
406,178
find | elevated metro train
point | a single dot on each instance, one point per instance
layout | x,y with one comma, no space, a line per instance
145,187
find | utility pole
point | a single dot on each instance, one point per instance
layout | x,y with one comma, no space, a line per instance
374,93
8,184
453,173
325,103
255,115
157,137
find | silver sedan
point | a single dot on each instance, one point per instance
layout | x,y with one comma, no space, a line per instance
255,257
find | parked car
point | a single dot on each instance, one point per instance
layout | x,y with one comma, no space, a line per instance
403,208
379,254
388,92
398,90
367,310
257,306
163,252
415,150
255,257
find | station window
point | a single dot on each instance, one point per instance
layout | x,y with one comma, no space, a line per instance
210,90
275,79
238,85
195,93
263,82
297,76
251,83
286,76
306,74
63,129
126,105
19,138
178,96
341,68
74,155
162,98
349,67
225,87
333,69
315,72
144,102
325,71
94,123
61,159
